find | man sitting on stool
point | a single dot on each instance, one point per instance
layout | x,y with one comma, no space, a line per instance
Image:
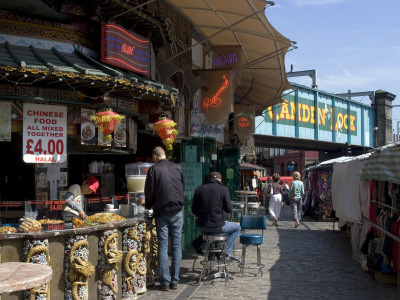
210,200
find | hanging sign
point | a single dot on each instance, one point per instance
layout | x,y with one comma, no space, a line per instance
44,133
125,49
244,121
216,103
222,56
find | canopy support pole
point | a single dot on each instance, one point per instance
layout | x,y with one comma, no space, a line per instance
218,32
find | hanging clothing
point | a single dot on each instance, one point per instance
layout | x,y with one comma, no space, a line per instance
395,259
346,191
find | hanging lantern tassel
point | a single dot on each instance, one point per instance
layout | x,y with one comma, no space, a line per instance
165,130
106,121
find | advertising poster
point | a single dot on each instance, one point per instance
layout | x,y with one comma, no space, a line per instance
44,133
200,127
120,134
133,143
5,122
88,129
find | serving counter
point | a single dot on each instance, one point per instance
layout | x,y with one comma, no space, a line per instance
106,261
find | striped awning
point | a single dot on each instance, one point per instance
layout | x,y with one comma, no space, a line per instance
383,165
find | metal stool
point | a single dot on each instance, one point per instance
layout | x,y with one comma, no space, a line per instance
215,243
252,207
252,239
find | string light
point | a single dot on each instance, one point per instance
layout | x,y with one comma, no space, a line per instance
63,76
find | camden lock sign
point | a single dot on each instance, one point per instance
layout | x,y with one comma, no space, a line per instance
327,117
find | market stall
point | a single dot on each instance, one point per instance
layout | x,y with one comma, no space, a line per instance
106,256
363,192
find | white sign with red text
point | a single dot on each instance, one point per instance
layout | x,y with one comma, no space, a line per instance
44,133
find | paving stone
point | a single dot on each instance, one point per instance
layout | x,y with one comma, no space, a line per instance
313,261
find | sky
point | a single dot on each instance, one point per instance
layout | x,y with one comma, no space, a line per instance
352,44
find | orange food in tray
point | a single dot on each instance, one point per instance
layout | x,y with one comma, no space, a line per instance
78,223
8,229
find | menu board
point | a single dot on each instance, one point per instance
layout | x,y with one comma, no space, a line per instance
192,173
44,133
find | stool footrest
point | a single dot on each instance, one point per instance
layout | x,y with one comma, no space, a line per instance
252,266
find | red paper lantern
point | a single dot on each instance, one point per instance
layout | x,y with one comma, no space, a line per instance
106,121
165,130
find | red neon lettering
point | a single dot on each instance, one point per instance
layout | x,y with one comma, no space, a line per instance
113,58
113,26
215,101
244,122
127,49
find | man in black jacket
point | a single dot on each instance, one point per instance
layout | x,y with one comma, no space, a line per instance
210,200
164,193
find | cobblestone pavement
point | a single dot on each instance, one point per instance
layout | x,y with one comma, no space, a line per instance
312,261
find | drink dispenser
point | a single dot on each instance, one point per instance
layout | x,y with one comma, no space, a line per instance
135,178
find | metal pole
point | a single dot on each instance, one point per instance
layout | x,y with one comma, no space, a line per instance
214,34
132,9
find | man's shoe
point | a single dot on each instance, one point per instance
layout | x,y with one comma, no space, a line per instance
296,224
173,286
232,257
164,287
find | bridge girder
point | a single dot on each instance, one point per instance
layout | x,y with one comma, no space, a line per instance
270,141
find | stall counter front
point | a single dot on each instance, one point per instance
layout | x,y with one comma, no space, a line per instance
115,260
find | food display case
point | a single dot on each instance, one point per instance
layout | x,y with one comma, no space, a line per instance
31,216
39,215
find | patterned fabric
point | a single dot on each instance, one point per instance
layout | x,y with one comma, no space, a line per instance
383,165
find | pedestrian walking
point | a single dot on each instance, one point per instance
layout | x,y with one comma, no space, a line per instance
266,186
296,193
210,200
164,189
286,193
275,202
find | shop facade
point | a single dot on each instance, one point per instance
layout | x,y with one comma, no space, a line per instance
62,67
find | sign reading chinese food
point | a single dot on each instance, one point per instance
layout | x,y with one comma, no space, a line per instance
44,133
125,49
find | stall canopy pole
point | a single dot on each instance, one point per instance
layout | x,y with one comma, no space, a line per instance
214,34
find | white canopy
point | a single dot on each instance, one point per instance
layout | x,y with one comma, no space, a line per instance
243,23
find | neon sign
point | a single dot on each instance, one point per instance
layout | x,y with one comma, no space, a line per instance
125,49
243,122
224,60
215,101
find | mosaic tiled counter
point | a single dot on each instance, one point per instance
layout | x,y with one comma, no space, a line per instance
111,261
